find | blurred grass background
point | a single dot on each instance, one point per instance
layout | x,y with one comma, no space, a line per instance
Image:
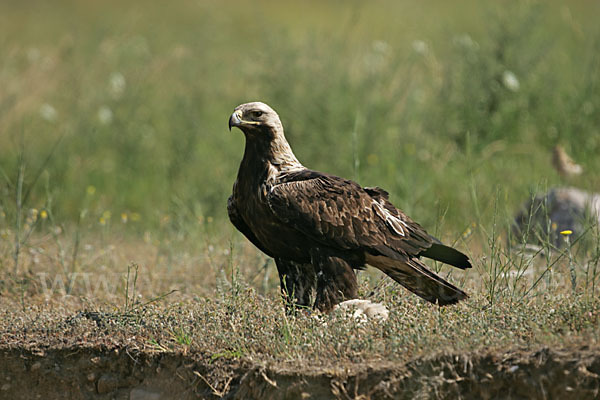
118,109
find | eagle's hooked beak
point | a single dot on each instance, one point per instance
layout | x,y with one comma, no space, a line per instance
235,119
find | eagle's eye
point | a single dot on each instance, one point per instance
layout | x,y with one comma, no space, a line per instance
256,114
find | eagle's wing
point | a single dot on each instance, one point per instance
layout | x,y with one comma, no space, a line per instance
237,221
436,250
341,214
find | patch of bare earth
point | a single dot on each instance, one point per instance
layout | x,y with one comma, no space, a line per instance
102,373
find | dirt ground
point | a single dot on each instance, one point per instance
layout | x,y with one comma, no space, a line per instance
125,333
104,373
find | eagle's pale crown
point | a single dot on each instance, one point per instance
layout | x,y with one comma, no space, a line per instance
250,117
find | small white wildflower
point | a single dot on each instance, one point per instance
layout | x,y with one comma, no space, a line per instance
465,41
48,112
105,115
420,47
510,81
588,108
376,58
379,46
33,54
117,84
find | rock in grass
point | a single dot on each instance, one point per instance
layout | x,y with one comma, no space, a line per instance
362,310
542,218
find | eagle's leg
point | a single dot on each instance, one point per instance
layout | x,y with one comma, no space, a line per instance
298,282
336,280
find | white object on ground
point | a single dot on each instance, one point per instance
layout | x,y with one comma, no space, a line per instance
363,309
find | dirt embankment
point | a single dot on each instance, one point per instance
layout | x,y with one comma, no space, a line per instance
93,373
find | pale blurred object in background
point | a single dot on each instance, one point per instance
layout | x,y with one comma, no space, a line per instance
563,164
544,216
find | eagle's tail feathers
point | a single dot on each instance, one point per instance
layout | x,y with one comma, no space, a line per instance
447,255
414,275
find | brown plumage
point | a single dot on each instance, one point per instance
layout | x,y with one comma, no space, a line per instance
319,228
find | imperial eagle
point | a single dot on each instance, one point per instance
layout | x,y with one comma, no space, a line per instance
320,228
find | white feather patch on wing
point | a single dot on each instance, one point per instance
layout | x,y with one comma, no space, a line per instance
393,222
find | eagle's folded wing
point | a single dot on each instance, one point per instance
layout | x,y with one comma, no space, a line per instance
340,214
237,221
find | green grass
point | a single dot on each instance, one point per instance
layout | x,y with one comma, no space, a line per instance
416,102
116,163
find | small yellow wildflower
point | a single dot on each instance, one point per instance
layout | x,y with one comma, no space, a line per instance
44,214
566,232
554,226
467,233
135,216
102,221
34,213
91,190
124,218
106,214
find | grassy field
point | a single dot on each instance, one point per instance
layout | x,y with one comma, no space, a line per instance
116,163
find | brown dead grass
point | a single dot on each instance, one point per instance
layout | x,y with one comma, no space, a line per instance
212,306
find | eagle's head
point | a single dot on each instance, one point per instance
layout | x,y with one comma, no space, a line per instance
256,119
265,141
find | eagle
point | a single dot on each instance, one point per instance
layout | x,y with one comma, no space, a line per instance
320,228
